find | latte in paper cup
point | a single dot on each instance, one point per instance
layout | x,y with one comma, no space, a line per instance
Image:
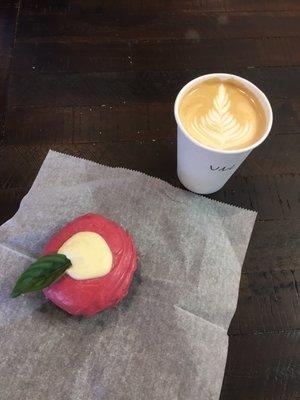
220,119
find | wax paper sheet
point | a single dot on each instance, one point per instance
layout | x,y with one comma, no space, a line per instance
168,338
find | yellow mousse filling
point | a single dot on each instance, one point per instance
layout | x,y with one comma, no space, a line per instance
89,254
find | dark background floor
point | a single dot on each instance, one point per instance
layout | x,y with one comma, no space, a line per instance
98,79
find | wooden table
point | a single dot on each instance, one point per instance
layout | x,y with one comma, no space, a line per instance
98,79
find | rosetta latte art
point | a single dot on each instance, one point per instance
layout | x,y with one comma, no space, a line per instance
219,124
222,115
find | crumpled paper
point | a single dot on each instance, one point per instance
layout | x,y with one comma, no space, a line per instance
168,339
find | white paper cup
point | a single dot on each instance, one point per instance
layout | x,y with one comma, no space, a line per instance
205,170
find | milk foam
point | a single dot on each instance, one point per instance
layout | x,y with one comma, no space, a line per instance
222,115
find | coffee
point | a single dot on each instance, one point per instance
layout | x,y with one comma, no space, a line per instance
222,114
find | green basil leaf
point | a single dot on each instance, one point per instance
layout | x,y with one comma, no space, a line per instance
41,273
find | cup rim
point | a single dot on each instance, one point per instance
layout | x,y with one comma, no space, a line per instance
266,105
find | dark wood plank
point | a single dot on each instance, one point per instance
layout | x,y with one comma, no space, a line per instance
39,125
268,301
286,116
45,6
4,63
155,55
8,14
105,123
262,193
34,89
223,53
61,57
20,164
256,5
3,90
7,26
263,367
107,6
270,159
274,246
145,25
9,202
131,121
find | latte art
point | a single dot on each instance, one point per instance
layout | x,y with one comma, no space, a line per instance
219,124
222,115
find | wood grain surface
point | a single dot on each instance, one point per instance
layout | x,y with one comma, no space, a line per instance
98,79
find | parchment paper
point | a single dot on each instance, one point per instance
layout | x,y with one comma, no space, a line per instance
168,339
